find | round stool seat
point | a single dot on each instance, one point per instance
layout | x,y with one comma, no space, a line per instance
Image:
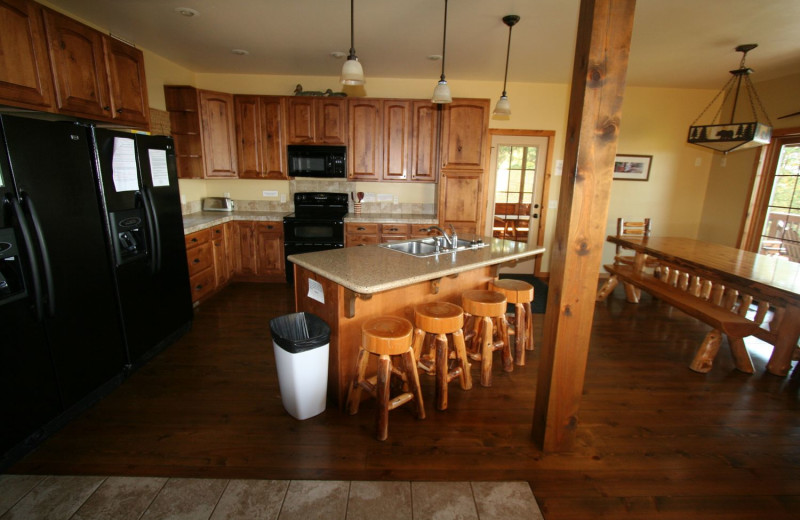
484,303
389,335
515,291
439,317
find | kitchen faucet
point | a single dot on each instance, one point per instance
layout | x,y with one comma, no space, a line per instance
451,239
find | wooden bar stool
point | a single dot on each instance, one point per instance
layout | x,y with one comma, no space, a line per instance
442,319
489,311
387,337
521,295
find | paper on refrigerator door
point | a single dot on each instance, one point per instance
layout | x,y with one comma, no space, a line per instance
158,167
123,165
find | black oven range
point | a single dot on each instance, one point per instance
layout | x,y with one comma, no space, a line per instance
317,224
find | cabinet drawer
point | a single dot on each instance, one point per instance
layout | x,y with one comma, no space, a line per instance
361,228
197,238
421,230
361,240
200,257
202,284
395,229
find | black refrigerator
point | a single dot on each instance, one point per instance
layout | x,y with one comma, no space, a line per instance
81,301
139,187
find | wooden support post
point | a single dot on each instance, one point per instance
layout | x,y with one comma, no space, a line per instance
598,83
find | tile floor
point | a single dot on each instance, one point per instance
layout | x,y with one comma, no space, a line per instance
117,498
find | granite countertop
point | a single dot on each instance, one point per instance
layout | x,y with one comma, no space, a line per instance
205,219
372,269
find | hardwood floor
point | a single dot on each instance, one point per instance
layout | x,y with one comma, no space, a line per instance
655,440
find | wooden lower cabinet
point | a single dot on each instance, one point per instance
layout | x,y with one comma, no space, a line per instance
365,233
260,252
361,233
200,255
220,251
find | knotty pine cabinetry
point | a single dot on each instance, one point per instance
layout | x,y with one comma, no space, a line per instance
462,178
316,120
392,140
259,256
260,141
202,123
50,62
365,233
202,271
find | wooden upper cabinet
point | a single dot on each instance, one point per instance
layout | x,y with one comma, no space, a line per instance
316,120
425,121
217,123
25,79
364,161
183,105
127,83
79,68
461,201
465,124
397,136
331,120
260,144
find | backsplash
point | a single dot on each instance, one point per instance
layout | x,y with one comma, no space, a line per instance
320,185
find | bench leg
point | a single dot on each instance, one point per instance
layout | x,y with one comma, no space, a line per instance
607,288
741,357
704,357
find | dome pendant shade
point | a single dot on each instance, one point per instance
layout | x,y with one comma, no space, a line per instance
441,94
352,71
503,107
748,131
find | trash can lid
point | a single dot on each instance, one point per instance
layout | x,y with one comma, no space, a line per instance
299,332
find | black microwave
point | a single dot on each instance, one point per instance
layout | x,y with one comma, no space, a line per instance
317,161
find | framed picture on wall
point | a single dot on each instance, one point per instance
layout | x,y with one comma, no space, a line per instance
632,167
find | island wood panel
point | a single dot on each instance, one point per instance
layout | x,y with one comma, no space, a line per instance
346,332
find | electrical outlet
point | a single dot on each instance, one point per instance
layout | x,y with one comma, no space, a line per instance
226,194
283,198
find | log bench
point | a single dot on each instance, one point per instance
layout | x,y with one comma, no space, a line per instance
700,299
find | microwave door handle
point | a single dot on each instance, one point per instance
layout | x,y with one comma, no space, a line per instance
27,204
38,302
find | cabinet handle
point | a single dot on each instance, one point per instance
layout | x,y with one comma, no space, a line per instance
218,231
194,239
106,108
198,287
361,229
196,261
119,111
270,226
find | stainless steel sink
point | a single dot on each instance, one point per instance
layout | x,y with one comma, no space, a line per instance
428,246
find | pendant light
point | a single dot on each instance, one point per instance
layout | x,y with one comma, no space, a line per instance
503,107
352,72
441,94
747,128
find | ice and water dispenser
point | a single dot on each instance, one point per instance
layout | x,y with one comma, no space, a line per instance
12,286
129,232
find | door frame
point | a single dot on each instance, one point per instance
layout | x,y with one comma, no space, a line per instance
548,173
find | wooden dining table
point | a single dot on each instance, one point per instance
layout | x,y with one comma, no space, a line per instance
772,279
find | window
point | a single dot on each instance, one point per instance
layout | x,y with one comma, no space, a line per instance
780,218
514,191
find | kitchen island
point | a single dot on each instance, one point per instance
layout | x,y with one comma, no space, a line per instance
345,287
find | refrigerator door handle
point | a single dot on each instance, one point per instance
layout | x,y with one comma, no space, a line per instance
155,235
38,303
27,203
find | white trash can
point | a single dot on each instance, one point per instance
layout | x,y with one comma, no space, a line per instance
301,342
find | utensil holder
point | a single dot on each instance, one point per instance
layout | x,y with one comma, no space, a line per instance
357,208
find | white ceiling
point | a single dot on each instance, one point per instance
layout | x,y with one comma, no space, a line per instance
676,43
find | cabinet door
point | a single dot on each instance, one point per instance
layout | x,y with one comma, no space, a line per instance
232,248
331,120
248,137
461,201
220,255
301,120
246,259
365,136
184,118
79,70
25,79
127,83
219,147
273,143
397,138
464,131
424,141
269,250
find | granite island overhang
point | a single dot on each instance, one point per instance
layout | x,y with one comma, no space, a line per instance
347,286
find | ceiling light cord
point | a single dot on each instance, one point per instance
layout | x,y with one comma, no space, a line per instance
508,54
352,33
444,39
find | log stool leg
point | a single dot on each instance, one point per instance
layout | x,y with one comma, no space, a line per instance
354,393
529,317
441,371
461,356
519,293
487,348
382,395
